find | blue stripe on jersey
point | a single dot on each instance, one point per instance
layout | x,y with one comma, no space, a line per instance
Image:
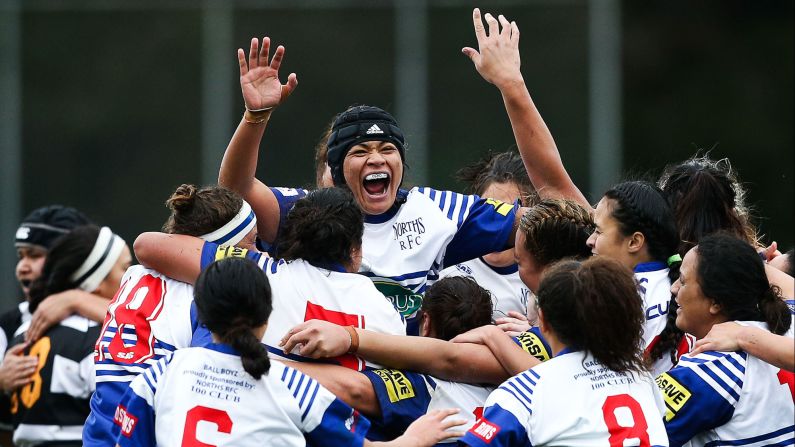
722,383
771,435
524,385
725,369
149,382
292,377
527,398
306,391
444,195
311,401
452,206
298,385
431,193
116,373
413,275
284,373
520,400
467,202
534,373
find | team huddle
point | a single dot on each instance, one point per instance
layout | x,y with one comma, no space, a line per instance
366,313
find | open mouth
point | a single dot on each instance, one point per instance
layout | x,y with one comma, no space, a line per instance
376,183
25,283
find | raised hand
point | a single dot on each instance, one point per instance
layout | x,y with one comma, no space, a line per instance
497,57
259,78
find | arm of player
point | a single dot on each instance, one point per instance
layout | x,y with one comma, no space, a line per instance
782,280
429,430
174,255
778,350
510,355
457,362
55,308
349,386
497,60
261,88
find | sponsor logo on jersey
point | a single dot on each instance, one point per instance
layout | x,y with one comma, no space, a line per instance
485,430
230,252
464,268
398,386
500,207
404,300
532,344
125,420
676,395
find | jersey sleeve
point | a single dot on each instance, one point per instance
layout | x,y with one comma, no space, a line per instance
134,419
286,198
483,225
324,419
508,409
532,342
212,252
701,393
402,395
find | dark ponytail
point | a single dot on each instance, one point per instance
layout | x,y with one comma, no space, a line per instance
197,211
456,304
233,298
731,273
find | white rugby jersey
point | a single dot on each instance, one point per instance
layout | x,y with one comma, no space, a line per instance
405,248
508,292
304,292
655,290
156,318
203,396
728,398
404,396
572,400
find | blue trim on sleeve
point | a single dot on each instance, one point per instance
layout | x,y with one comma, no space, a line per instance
771,435
649,267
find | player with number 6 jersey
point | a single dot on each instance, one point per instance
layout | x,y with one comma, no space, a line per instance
153,315
597,363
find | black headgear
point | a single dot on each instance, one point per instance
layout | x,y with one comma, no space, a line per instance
356,125
44,225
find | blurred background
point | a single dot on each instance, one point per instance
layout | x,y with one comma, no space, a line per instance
108,105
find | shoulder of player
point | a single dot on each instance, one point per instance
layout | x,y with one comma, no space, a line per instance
723,372
441,199
734,360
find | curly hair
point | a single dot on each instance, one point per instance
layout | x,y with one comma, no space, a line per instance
555,229
594,305
502,167
197,211
322,228
731,273
706,196
233,297
456,304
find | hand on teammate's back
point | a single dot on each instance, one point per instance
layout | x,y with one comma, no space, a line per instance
17,369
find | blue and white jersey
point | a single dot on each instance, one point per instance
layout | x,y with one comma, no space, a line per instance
304,292
655,290
508,292
286,198
404,396
572,400
150,317
405,248
728,398
203,396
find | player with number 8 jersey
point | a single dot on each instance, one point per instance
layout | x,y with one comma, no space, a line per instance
153,315
595,391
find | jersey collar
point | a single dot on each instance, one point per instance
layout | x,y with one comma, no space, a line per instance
649,267
391,212
222,348
507,270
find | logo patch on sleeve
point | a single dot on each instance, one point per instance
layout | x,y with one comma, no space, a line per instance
500,207
485,430
398,386
532,344
675,394
230,252
125,420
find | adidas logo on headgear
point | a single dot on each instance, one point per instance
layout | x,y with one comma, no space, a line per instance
374,129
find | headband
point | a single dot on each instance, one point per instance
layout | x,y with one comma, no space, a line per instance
356,125
234,230
99,261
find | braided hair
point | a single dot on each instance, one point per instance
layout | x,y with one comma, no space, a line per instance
233,297
456,304
556,229
640,206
